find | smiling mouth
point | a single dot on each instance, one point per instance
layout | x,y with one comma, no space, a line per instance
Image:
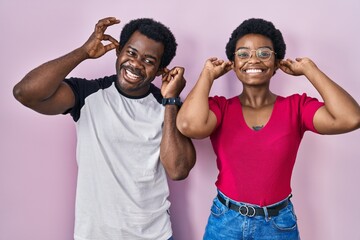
253,70
131,75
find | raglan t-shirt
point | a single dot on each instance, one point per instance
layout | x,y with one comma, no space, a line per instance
256,166
122,190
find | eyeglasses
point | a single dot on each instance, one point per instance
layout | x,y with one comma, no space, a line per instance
263,54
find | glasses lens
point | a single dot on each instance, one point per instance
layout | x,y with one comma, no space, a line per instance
263,53
243,54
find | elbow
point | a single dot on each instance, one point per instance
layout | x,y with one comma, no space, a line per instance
183,126
20,94
181,170
178,175
189,129
353,123
356,122
347,125
23,95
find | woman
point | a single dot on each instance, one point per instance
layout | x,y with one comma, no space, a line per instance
256,135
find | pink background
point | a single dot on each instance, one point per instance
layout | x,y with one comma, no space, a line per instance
37,152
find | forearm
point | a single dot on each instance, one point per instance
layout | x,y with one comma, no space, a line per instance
42,82
177,152
194,113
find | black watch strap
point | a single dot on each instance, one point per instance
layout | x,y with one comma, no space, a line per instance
172,101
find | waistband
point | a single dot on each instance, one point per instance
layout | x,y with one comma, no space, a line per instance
251,211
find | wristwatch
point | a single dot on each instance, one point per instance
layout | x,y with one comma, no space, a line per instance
172,101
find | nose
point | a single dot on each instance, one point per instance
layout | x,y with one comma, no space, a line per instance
135,62
253,57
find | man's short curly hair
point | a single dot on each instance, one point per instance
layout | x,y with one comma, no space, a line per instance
155,31
257,26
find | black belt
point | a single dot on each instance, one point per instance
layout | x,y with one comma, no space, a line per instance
251,211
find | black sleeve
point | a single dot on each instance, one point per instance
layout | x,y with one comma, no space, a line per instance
82,88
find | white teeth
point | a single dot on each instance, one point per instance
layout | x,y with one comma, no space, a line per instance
253,70
131,75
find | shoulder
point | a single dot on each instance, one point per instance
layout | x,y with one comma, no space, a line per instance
297,99
300,103
222,100
156,92
85,87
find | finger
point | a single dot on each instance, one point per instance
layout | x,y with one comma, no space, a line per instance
283,63
110,38
165,72
108,21
167,78
110,46
286,62
227,66
166,75
172,72
285,69
102,24
180,70
218,62
177,73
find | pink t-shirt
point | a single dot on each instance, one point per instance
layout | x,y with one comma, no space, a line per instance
256,166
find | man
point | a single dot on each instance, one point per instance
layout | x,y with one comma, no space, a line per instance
123,129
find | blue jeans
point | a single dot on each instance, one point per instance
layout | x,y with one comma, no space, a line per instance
228,224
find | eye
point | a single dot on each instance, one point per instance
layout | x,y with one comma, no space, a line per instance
131,53
244,54
263,53
149,61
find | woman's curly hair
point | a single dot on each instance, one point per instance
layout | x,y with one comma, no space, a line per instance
257,26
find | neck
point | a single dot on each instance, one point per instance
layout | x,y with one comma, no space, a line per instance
257,99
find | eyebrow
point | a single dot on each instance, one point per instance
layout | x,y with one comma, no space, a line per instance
254,49
146,55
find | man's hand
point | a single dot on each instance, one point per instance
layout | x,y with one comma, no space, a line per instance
173,82
94,46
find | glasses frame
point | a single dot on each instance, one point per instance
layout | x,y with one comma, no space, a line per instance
256,54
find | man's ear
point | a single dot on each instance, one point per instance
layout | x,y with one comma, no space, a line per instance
118,50
160,72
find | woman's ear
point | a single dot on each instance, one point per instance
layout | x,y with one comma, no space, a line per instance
233,65
277,65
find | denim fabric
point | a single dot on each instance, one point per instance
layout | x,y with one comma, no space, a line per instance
171,238
228,224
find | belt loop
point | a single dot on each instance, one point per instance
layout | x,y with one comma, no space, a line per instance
227,202
266,214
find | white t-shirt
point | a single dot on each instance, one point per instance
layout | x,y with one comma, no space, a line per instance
122,189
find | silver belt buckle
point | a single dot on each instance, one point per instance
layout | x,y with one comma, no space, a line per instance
247,210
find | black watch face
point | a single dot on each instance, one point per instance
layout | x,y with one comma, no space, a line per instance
171,101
